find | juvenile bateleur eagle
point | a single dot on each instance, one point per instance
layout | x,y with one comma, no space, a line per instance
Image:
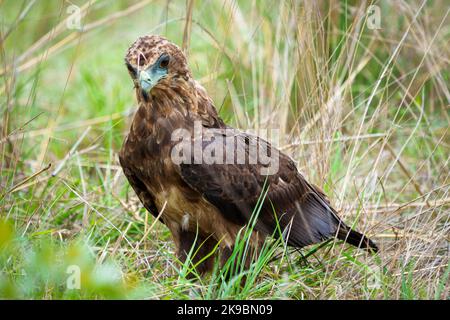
205,204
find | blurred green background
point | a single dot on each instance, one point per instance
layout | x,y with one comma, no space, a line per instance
363,111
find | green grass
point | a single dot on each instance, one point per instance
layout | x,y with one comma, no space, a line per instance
364,113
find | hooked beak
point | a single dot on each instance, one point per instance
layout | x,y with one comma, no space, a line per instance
145,81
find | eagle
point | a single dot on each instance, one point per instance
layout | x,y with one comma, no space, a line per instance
204,202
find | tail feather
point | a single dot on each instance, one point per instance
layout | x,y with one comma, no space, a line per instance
356,239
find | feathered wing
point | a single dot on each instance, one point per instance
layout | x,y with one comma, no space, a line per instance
140,189
302,211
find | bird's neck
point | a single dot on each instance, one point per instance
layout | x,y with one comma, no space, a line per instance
183,101
168,97
172,107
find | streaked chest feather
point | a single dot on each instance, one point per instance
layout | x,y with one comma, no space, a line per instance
181,213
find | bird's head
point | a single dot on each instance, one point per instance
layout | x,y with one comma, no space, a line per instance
153,62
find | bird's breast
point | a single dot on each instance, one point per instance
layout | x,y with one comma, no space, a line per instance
180,212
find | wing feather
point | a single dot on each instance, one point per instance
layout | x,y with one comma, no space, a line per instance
141,191
301,210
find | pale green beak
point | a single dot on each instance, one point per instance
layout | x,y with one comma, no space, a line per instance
145,81
150,77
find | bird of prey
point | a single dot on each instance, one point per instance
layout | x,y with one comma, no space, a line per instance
205,204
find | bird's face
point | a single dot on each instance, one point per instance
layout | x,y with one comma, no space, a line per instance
152,61
149,77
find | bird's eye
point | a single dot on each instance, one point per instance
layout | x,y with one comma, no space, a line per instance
164,63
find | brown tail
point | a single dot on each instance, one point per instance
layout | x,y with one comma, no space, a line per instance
356,239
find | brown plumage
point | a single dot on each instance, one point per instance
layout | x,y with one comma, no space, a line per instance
208,204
